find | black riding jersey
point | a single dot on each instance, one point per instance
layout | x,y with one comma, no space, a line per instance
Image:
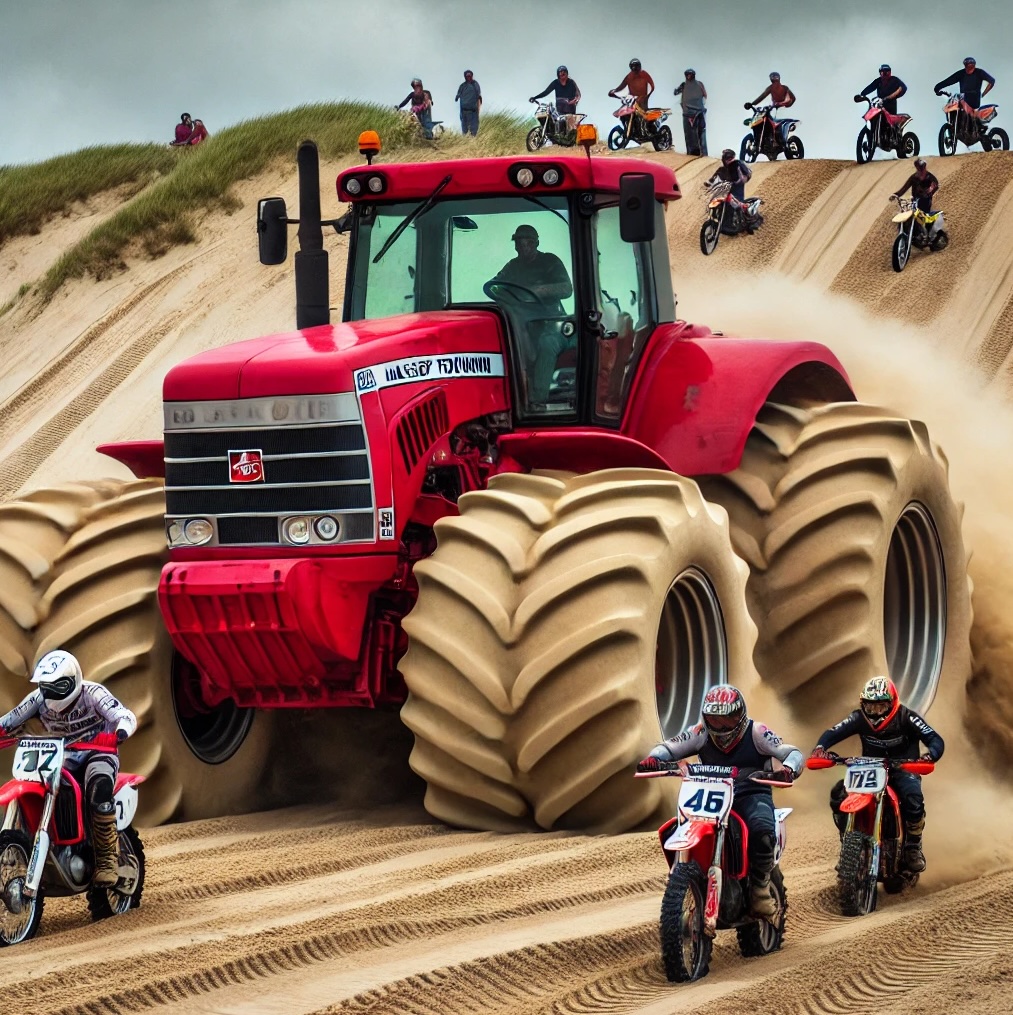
898,740
884,87
970,85
921,186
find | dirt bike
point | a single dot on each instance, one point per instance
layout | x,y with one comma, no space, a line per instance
708,836
44,847
916,228
770,136
885,131
872,845
966,124
727,214
559,128
641,125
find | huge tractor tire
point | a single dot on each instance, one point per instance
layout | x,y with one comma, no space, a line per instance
33,531
565,625
857,565
98,600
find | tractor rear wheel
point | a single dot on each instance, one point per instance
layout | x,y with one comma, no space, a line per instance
564,625
97,597
857,565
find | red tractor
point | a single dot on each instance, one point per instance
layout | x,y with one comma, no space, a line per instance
510,493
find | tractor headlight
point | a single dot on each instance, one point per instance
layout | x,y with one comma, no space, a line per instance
353,186
525,177
296,530
326,528
375,184
551,176
198,531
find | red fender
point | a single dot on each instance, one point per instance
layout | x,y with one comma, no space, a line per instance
16,788
126,779
854,802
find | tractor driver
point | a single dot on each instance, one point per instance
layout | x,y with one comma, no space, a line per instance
542,275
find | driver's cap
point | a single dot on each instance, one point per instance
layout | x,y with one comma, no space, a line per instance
525,232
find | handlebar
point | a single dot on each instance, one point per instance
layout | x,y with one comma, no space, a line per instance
681,770
106,743
917,767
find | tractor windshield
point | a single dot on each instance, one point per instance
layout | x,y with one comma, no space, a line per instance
511,252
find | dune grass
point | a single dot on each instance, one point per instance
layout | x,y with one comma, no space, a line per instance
185,181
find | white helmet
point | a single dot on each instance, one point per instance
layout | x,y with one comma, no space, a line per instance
60,679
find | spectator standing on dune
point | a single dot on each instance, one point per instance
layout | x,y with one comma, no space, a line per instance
469,94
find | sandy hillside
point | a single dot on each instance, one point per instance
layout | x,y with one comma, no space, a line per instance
334,908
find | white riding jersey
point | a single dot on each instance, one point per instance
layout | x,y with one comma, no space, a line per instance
95,711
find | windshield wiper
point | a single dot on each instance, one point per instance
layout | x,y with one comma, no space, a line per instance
534,200
411,217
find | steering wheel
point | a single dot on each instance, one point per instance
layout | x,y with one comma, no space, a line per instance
496,288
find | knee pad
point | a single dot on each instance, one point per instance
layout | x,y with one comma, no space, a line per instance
100,794
761,850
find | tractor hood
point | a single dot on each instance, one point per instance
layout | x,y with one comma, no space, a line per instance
359,356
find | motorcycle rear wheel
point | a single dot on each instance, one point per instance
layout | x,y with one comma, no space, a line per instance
663,141
998,140
709,236
17,927
106,902
534,140
763,936
901,252
685,948
748,152
941,240
617,139
857,889
947,140
910,146
864,147
794,149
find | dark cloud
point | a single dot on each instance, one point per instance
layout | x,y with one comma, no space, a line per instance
73,73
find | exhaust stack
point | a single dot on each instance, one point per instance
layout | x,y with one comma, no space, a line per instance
312,285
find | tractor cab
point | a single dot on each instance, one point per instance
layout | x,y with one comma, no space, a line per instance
570,255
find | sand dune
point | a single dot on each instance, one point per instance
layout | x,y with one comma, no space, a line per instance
329,910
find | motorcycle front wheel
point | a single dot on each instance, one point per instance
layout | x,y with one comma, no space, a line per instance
794,149
901,251
19,917
685,948
998,140
747,152
534,140
663,141
617,139
864,148
857,887
124,895
710,232
910,146
947,140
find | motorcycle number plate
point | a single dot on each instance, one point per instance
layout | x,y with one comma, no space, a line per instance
38,759
709,800
126,806
865,779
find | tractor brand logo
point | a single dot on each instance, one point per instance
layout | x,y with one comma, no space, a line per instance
364,380
423,368
246,467
386,523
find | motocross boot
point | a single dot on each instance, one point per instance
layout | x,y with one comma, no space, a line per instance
105,842
913,858
761,899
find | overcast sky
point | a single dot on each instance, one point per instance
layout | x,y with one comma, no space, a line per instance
80,72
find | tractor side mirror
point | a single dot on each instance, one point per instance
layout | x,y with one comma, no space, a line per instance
636,207
272,232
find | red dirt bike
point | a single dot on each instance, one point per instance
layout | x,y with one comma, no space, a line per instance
645,126
966,124
705,847
44,847
770,136
873,841
884,131
727,214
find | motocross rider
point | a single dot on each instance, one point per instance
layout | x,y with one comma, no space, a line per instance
923,186
67,705
780,95
566,91
738,174
638,83
727,736
888,729
693,94
969,81
887,87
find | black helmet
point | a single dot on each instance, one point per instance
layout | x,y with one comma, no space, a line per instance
775,76
561,69
416,81
185,116
728,155
884,67
634,64
920,163
724,716
970,59
688,71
